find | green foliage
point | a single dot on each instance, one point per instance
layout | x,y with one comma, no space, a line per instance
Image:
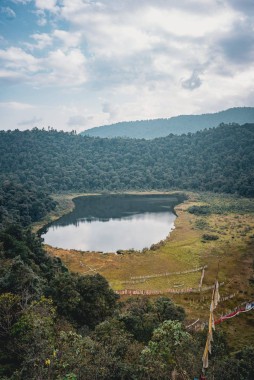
28,320
199,210
85,300
142,315
168,351
166,309
208,237
237,367
219,160
70,376
119,347
22,203
225,204
59,325
9,310
44,314
25,266
33,336
201,224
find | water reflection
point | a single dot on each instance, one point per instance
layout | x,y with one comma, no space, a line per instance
109,223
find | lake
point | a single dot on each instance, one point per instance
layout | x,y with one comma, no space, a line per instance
107,223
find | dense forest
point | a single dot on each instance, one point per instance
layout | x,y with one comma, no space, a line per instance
150,129
35,163
219,159
58,325
23,203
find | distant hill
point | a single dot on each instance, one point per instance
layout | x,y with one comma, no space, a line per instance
150,129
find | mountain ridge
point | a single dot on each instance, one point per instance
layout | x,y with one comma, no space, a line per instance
150,129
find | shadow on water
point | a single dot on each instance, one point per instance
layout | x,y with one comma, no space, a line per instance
110,222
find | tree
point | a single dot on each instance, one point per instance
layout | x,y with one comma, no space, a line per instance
85,300
169,350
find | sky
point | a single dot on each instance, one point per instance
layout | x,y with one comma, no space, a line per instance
77,64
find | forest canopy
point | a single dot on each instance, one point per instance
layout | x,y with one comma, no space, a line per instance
219,159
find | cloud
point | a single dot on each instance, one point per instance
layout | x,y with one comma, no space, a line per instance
59,67
48,5
41,17
129,59
42,40
21,1
245,6
17,59
68,39
79,120
67,67
16,105
11,77
111,110
8,12
30,122
238,45
192,82
146,41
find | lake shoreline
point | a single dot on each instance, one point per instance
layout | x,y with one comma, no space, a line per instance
65,203
115,222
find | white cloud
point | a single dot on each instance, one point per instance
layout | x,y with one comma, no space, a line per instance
58,67
21,1
148,42
111,109
114,31
42,41
80,121
8,12
41,17
16,105
31,122
10,76
68,39
17,59
66,67
181,23
47,5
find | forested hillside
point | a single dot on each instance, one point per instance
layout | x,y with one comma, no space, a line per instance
23,203
220,160
59,325
150,129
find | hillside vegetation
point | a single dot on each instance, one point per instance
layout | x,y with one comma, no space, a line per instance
42,162
150,129
212,230
57,324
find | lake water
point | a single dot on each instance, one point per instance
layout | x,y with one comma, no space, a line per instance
108,223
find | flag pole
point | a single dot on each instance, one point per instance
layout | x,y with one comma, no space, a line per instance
211,326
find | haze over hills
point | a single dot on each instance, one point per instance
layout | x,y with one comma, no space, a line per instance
149,129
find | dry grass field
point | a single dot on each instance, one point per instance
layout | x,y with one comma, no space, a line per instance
230,257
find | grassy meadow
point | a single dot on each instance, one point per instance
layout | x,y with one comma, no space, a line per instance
222,238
